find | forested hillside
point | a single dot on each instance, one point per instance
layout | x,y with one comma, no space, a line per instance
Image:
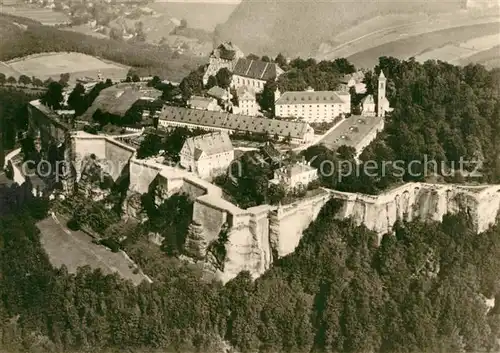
443,113
298,27
420,291
35,38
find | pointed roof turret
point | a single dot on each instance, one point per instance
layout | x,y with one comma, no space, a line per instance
381,76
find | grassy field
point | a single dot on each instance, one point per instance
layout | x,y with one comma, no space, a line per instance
44,16
52,65
457,53
416,45
8,71
75,249
393,28
489,58
198,15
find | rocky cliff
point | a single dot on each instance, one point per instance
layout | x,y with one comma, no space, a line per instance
298,27
428,202
251,239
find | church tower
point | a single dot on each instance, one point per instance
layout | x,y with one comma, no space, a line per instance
381,94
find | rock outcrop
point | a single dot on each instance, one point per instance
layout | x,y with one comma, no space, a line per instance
428,202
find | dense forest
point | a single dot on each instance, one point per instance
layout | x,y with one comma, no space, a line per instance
14,113
443,114
36,38
421,290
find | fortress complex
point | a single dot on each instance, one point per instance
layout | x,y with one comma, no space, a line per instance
257,235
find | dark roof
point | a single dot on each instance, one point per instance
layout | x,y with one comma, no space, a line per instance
256,69
210,144
269,150
351,131
217,92
313,97
237,122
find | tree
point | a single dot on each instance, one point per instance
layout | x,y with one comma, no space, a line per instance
266,98
76,99
252,57
223,77
154,82
64,79
3,79
150,146
276,193
136,78
280,60
211,82
37,82
183,24
53,97
266,58
24,80
128,79
343,66
11,80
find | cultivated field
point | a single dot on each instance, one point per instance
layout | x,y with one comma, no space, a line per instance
8,71
391,29
44,16
197,14
77,65
75,249
459,52
417,45
489,58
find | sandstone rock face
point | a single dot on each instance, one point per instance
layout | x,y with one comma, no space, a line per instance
421,201
257,234
290,221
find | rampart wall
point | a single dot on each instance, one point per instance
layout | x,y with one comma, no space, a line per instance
18,177
255,234
428,202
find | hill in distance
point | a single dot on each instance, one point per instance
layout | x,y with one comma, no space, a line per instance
298,27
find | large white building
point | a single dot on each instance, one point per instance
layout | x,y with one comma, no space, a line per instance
226,56
207,155
254,74
247,102
297,131
312,106
295,175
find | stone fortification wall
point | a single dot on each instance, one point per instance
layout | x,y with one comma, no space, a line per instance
428,202
256,234
18,177
116,154
288,222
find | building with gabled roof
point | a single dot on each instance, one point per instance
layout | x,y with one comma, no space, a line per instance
254,73
219,93
312,106
224,56
204,103
207,155
247,101
295,175
368,106
299,132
